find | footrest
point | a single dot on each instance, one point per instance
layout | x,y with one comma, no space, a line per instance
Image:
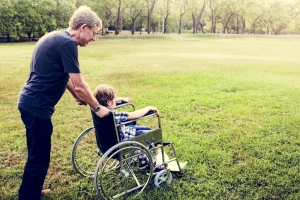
173,166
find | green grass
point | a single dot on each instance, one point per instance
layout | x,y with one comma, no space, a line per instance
230,104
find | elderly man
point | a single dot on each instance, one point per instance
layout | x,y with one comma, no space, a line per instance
54,68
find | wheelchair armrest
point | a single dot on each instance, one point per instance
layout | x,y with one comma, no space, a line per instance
123,104
147,115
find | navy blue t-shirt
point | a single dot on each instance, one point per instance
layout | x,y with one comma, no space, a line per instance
54,56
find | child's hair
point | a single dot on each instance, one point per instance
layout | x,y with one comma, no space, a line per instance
104,93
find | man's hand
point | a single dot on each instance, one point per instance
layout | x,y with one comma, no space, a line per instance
103,112
81,103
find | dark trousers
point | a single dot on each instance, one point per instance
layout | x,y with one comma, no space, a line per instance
38,135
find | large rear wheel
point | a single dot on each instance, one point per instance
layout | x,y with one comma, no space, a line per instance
119,173
85,153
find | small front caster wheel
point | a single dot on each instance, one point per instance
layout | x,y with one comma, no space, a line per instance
162,178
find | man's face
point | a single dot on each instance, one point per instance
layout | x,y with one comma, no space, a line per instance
87,34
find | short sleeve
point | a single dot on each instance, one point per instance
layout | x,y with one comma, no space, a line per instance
120,117
69,57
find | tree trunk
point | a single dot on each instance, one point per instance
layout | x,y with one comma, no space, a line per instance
149,23
213,22
29,36
244,25
194,24
226,23
120,22
165,22
8,37
199,19
132,26
153,29
117,22
180,18
237,26
180,21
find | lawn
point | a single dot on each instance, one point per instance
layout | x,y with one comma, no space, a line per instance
230,104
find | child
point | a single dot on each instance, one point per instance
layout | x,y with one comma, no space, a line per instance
107,96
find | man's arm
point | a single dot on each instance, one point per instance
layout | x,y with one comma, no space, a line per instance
71,89
78,87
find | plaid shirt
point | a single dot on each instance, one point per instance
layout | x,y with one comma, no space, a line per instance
125,131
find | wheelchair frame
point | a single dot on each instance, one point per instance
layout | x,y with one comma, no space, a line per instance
117,173
85,151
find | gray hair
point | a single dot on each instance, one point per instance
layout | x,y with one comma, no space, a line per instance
84,15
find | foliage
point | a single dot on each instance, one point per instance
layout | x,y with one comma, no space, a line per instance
229,103
8,21
33,18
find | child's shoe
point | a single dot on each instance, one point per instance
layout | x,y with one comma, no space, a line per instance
144,165
157,169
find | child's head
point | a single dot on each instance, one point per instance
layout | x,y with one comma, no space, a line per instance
106,95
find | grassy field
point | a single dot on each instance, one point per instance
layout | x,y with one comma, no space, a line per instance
230,104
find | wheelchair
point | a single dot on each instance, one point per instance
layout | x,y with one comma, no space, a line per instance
115,165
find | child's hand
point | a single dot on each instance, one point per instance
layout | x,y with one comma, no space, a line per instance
128,100
154,110
125,99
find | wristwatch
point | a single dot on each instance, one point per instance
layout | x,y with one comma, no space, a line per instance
97,108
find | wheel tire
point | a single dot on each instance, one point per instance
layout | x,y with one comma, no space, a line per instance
124,178
85,153
161,179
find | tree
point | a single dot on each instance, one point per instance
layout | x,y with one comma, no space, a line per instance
280,13
36,16
150,7
256,16
242,9
214,6
63,12
182,9
228,8
166,13
197,9
9,24
135,10
117,8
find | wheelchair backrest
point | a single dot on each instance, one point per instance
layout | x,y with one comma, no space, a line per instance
106,131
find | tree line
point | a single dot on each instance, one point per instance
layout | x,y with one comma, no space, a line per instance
34,18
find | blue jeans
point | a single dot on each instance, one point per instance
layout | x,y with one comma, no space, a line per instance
141,130
38,135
